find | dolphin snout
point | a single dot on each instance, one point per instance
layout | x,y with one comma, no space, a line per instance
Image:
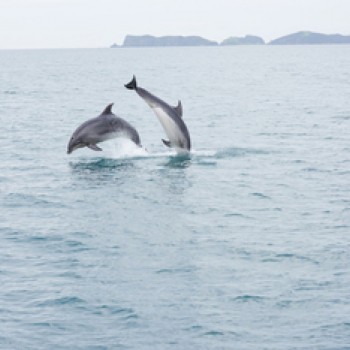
72,145
72,148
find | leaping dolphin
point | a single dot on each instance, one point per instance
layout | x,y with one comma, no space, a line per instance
170,118
104,127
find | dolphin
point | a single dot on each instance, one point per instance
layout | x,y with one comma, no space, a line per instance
170,118
104,127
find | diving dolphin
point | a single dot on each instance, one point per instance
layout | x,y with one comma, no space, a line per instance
104,127
170,118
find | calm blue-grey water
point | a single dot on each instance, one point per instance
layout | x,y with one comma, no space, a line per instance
244,245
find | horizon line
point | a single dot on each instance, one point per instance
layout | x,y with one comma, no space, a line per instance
266,43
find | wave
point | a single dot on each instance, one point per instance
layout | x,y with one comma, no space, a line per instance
122,153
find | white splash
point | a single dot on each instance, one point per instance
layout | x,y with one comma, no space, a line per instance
123,148
204,153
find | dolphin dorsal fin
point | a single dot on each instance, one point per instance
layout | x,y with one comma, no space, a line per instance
178,109
108,109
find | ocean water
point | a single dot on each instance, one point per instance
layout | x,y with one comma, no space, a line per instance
245,244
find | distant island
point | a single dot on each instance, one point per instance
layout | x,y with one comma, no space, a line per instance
149,40
247,40
299,38
310,38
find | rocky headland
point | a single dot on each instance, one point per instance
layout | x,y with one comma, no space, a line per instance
299,38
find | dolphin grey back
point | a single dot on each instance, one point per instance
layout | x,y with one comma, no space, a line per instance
117,124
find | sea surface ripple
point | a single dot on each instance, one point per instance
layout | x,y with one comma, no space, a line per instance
243,244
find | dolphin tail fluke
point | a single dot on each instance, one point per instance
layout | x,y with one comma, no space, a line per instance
132,85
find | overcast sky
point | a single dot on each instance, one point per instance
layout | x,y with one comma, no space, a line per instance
99,23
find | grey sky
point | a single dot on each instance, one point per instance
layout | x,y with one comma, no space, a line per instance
99,23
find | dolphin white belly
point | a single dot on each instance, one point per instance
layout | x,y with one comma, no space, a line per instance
170,127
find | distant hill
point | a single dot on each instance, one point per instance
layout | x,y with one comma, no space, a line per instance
299,38
247,40
308,38
149,40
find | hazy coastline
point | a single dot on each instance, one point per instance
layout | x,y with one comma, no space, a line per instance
298,38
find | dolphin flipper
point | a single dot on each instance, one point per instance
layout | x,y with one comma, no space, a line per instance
94,147
167,143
